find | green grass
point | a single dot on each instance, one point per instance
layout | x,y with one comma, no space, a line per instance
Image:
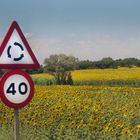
43,81
131,83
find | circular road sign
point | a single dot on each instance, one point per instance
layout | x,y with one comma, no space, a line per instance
16,89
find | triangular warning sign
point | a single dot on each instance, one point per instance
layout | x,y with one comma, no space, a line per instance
15,51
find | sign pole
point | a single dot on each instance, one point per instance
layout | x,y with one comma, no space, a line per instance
16,124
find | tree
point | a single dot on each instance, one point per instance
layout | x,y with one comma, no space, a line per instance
85,64
61,61
105,63
59,65
63,78
128,62
35,71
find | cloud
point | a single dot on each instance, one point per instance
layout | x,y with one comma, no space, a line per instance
28,35
92,48
43,47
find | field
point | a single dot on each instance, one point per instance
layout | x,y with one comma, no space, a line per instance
121,73
106,77
77,112
83,112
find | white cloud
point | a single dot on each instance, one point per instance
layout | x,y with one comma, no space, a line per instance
28,35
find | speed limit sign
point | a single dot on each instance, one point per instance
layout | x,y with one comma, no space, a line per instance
17,89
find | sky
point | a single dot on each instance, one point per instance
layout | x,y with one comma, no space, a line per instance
87,29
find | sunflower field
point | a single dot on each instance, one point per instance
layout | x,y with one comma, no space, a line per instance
61,112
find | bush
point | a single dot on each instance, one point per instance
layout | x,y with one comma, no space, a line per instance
69,80
63,78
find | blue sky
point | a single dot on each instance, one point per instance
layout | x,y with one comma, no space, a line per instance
87,29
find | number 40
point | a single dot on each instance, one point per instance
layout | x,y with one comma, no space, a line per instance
22,88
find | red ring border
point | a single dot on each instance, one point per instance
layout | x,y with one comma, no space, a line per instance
3,97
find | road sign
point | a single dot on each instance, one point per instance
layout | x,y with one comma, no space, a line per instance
15,51
16,88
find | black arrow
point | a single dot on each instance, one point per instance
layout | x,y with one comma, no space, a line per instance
17,44
8,52
19,58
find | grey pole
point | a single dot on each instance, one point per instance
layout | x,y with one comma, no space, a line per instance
16,124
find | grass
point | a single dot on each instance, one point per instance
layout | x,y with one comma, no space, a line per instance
131,83
44,81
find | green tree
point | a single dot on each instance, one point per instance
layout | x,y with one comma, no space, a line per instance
55,62
35,71
63,77
129,62
105,63
85,64
59,65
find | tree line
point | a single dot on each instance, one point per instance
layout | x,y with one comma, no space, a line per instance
60,66
60,62
108,62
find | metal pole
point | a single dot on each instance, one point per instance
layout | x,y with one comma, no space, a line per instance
16,124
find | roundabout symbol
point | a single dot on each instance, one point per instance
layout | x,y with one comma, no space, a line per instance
21,55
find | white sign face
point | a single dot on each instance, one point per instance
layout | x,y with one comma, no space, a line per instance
15,51
16,89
